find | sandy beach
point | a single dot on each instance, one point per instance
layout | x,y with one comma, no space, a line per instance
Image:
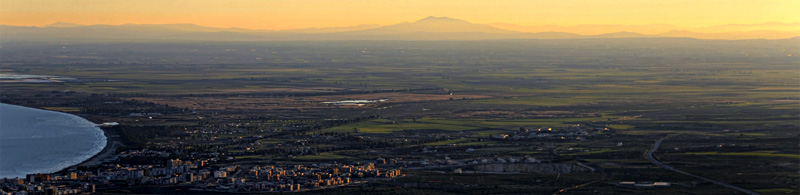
113,142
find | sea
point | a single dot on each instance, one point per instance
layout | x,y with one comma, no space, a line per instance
42,141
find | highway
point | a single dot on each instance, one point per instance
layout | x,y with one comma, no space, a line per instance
650,157
578,186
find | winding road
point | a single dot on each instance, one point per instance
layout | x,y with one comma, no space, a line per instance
650,157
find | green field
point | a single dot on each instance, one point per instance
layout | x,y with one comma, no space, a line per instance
483,127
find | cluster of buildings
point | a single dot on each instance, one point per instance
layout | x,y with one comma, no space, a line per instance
46,184
259,179
574,132
197,175
428,163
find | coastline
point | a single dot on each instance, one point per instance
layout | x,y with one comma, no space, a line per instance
111,138
112,143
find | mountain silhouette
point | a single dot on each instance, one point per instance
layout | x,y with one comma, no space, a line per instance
62,25
429,28
439,25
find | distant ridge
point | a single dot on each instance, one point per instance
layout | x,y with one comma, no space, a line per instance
592,29
439,24
622,34
764,34
62,25
653,29
428,28
333,29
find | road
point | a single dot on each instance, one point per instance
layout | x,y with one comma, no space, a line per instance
650,157
578,186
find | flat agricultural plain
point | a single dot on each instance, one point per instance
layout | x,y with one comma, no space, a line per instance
730,108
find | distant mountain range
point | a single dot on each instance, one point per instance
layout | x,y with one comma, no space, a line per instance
429,28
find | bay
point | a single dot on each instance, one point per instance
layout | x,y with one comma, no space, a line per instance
42,141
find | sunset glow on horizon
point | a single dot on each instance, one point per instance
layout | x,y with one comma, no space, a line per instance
281,14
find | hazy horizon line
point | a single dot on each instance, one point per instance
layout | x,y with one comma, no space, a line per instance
365,24
430,24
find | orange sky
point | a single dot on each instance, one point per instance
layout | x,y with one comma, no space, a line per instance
291,14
